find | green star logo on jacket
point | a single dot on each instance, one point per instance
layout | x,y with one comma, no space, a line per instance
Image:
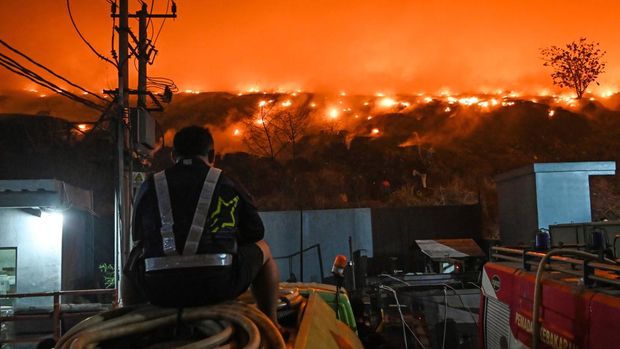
224,214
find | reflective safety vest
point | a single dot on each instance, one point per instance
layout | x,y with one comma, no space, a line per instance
188,257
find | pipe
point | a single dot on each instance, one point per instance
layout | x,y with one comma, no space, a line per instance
538,287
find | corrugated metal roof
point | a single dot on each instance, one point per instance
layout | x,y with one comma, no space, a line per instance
450,248
16,185
45,193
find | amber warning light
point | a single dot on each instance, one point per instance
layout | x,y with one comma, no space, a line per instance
340,262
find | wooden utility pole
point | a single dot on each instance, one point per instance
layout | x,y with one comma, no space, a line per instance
121,199
143,51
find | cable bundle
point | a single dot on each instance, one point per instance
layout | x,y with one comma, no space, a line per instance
218,325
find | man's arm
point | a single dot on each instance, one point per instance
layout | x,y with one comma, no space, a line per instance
251,225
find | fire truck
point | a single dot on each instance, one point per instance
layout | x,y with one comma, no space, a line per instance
573,294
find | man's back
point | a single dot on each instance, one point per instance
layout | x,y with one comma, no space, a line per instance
211,270
231,210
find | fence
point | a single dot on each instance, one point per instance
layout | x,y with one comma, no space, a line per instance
57,313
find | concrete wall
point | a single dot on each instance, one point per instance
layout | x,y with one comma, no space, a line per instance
329,228
518,212
39,246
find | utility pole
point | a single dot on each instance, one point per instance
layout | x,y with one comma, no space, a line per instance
143,51
143,56
121,224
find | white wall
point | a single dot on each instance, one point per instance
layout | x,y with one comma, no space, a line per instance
39,249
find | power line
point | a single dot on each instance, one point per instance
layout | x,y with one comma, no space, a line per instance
50,71
18,69
84,39
150,22
162,24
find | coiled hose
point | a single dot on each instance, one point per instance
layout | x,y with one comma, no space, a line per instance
217,325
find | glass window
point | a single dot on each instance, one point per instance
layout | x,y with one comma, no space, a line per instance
8,268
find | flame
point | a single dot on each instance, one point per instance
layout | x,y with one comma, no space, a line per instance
287,103
375,131
447,109
607,93
82,127
236,132
333,113
262,103
387,102
468,100
551,113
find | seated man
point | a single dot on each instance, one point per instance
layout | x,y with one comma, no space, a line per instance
197,234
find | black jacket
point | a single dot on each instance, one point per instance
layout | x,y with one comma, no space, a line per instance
232,209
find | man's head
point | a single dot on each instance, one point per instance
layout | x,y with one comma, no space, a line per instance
194,141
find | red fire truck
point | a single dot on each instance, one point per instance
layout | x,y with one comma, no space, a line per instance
577,302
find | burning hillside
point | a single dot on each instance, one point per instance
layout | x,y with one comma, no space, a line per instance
355,151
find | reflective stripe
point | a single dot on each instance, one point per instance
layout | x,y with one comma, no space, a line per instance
165,213
193,261
202,211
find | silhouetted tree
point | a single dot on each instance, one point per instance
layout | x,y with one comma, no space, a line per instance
292,122
262,136
576,66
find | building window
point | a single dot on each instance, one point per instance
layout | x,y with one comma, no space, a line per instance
8,268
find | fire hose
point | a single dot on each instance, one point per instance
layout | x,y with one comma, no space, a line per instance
538,286
218,325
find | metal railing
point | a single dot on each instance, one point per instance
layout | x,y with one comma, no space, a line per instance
56,315
290,259
601,270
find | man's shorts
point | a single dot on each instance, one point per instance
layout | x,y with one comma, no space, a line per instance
205,285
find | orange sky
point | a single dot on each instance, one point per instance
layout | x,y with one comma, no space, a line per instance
328,46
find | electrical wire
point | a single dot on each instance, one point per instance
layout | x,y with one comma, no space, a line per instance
445,285
402,317
149,23
19,69
84,39
13,49
395,278
162,24
463,303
